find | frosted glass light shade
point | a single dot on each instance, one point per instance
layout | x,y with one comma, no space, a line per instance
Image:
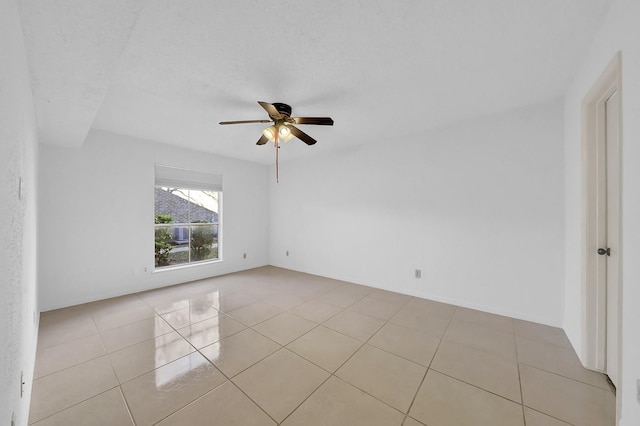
284,131
270,133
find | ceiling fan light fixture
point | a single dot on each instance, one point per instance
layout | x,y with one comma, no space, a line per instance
284,131
270,133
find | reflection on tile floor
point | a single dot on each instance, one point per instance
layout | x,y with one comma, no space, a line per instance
271,346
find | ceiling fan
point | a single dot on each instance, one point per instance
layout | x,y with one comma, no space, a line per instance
283,128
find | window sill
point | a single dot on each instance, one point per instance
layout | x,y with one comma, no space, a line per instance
186,266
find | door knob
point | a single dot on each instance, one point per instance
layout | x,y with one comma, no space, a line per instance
603,251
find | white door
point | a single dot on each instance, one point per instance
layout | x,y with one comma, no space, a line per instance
611,221
601,118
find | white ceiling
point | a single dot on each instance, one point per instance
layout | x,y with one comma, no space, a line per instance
169,70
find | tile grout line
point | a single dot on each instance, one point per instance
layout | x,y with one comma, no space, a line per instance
515,343
71,366
190,403
78,403
113,370
549,415
566,377
553,372
413,400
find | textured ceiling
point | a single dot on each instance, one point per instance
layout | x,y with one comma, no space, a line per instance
169,70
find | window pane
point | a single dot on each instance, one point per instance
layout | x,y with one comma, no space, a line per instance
204,242
172,202
203,206
180,240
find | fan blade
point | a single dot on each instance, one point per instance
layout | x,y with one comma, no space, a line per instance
244,121
302,135
322,121
271,110
263,139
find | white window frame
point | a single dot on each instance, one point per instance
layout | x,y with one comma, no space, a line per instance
175,177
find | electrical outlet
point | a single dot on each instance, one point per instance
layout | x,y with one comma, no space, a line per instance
287,252
22,383
418,273
244,255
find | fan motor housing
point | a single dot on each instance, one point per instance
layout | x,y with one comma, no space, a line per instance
283,109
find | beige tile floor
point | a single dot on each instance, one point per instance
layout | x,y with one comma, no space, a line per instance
271,346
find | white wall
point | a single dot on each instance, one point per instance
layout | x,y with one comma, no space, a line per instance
18,158
97,210
620,32
477,206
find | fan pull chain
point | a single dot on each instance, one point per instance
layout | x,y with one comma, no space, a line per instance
276,145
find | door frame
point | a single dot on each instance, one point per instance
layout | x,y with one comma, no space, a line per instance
594,295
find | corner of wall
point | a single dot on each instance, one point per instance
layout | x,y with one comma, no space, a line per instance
18,192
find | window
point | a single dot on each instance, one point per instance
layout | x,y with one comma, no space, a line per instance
186,216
